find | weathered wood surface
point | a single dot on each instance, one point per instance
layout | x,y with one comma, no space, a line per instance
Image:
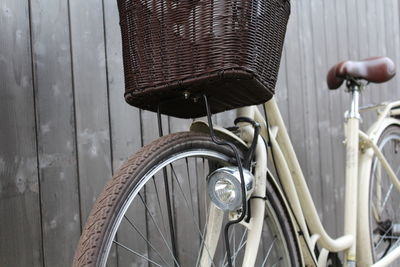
20,208
56,138
65,126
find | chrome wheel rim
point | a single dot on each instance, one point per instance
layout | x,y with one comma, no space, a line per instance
270,251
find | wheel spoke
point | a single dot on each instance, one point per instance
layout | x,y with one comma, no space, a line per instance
170,219
201,243
396,244
159,204
387,197
187,205
184,196
234,246
197,188
135,253
382,238
158,229
388,193
276,263
240,246
226,253
163,215
269,251
384,200
144,238
190,185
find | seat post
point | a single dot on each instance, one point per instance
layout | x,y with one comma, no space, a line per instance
354,88
351,183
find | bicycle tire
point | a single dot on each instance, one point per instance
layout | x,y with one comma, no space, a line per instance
383,198
110,209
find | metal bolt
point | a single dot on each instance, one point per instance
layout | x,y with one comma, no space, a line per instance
186,94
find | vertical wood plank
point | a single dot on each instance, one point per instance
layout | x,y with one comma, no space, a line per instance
381,36
391,30
309,104
323,105
364,49
352,29
91,103
20,226
396,37
125,128
281,90
182,125
56,132
224,119
363,52
320,33
373,46
124,119
295,95
337,124
335,108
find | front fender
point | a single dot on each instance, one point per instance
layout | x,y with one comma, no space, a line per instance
202,127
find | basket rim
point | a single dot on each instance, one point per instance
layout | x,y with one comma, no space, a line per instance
184,83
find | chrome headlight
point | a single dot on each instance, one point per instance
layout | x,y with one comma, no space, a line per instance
224,187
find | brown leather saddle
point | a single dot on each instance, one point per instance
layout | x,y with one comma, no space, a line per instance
375,70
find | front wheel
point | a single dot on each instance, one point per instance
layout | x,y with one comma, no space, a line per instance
384,199
154,212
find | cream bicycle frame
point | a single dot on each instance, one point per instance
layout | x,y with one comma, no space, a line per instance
360,149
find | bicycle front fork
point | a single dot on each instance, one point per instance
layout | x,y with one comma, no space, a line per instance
250,134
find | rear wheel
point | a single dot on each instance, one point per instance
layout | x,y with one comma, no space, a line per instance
155,210
384,199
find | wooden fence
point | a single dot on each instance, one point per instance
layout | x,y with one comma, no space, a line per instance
64,126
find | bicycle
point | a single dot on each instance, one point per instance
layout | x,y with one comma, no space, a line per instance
187,187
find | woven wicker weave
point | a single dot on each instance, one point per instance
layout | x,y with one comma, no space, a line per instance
176,50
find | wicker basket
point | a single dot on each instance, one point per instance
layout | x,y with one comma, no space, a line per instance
177,50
